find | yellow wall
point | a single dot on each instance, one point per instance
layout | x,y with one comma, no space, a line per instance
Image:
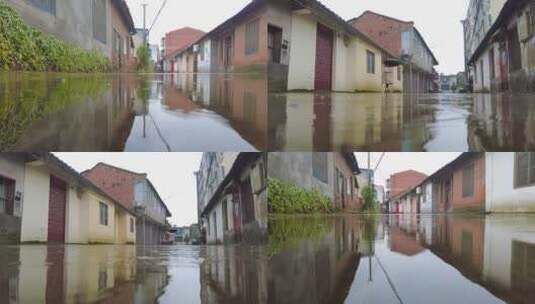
123,234
349,62
100,233
391,75
363,80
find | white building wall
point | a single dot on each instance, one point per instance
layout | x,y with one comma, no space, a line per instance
77,217
301,74
204,66
501,195
34,227
426,200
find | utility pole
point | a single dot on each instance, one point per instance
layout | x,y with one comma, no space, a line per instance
369,169
144,23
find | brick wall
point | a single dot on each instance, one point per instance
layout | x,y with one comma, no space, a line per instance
181,38
383,30
352,200
402,181
119,184
477,200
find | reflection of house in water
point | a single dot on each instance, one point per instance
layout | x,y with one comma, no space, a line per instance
233,275
59,274
242,101
502,122
323,121
320,265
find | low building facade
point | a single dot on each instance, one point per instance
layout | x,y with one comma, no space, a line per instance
102,25
135,193
460,185
510,182
504,61
44,200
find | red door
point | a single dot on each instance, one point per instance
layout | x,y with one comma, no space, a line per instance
56,210
324,58
236,214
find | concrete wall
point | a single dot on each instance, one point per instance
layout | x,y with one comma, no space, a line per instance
426,205
34,227
391,76
73,22
12,167
301,73
501,194
412,44
296,168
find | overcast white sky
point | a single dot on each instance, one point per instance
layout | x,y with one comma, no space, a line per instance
425,162
171,174
438,21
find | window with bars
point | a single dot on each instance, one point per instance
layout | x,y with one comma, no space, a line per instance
103,212
251,37
370,59
48,6
100,21
319,166
524,169
399,73
131,225
468,180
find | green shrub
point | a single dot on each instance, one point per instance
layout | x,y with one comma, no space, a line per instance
24,48
289,199
143,55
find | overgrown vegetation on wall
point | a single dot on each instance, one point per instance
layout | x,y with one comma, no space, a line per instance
24,48
286,198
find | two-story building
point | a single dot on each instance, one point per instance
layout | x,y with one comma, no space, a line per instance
404,41
42,200
103,25
503,60
135,192
232,197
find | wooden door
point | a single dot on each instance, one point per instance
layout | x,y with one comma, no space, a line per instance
56,210
324,58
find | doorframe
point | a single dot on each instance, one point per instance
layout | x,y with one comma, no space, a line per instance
331,71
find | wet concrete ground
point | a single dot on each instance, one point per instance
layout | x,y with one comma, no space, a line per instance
396,122
404,259
126,112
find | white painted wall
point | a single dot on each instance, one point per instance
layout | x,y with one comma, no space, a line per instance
77,222
204,66
32,274
34,227
426,205
301,73
501,195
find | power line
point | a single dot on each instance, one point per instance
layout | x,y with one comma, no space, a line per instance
158,15
379,161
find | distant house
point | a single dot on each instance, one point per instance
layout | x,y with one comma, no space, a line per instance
42,199
510,181
103,25
176,41
136,193
334,174
400,182
404,41
232,197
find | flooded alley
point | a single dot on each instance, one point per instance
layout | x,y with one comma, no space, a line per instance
402,259
128,112
397,122
130,274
